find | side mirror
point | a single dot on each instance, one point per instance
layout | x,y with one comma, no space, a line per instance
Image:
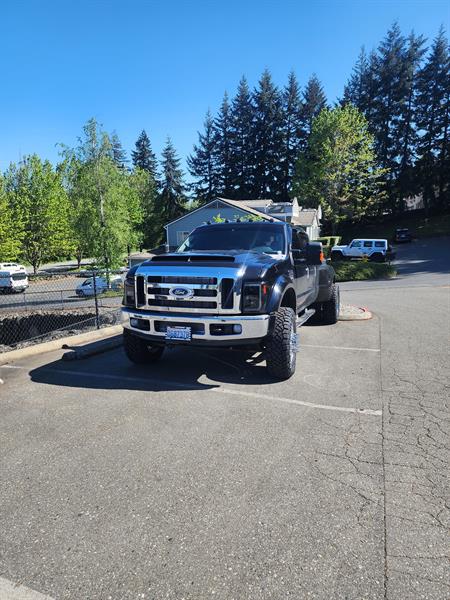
311,254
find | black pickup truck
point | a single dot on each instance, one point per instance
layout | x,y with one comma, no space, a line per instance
237,285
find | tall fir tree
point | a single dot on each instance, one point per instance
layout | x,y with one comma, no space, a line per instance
267,181
172,198
242,146
119,155
292,132
223,128
203,163
391,95
407,126
143,156
433,105
314,100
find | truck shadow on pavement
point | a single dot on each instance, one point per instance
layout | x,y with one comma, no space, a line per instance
179,369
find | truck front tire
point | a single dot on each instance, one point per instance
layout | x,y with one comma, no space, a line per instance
281,350
138,351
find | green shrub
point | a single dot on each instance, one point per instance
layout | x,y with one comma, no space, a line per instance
362,270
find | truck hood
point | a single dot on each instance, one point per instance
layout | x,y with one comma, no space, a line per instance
249,265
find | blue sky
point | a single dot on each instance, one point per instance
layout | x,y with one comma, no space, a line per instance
159,65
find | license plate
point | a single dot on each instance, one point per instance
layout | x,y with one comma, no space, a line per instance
178,333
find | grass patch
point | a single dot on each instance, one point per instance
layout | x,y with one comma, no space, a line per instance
361,270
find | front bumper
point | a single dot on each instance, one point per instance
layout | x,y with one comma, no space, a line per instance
253,327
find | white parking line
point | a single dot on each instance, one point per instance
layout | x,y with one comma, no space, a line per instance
220,390
11,367
339,348
14,591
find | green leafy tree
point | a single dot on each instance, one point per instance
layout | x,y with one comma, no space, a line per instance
10,242
339,169
203,163
172,198
143,156
108,215
40,206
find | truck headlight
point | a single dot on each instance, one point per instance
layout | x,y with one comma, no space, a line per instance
129,297
254,296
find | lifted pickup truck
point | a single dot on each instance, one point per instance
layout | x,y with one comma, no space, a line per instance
236,285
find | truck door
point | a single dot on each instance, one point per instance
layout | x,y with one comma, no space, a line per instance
304,278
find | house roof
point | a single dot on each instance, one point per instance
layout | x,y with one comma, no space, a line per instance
240,204
305,217
254,203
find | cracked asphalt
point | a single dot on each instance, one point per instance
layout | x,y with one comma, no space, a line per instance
199,478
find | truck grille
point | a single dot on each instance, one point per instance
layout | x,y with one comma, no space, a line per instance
213,295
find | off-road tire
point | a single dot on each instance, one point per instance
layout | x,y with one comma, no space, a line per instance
330,309
139,351
337,255
377,257
280,353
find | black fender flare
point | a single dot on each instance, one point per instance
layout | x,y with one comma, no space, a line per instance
280,288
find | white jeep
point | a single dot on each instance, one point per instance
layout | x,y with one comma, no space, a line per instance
374,249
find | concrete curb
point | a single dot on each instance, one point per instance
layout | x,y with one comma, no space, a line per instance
354,313
97,347
71,340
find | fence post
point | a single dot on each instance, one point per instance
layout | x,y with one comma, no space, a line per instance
97,320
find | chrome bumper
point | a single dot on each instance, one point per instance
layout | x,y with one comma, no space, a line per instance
253,326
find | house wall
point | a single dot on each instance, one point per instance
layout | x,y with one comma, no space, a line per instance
185,225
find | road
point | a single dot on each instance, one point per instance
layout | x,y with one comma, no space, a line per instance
199,478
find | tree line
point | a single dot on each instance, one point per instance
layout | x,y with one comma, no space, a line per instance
384,140
91,204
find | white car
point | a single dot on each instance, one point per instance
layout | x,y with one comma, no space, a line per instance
87,288
13,278
375,249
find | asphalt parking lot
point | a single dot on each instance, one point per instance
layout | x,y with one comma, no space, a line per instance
199,478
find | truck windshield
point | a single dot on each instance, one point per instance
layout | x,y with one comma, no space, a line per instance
268,239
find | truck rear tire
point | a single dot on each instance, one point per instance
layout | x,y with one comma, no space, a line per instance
377,257
330,309
281,348
138,351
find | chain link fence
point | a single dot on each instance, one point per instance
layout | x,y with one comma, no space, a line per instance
58,304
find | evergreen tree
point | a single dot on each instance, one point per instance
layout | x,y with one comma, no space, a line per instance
172,199
203,164
119,155
143,157
292,132
223,127
433,99
356,91
314,100
407,127
267,182
391,95
242,147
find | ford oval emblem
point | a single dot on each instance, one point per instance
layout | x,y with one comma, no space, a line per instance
181,293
